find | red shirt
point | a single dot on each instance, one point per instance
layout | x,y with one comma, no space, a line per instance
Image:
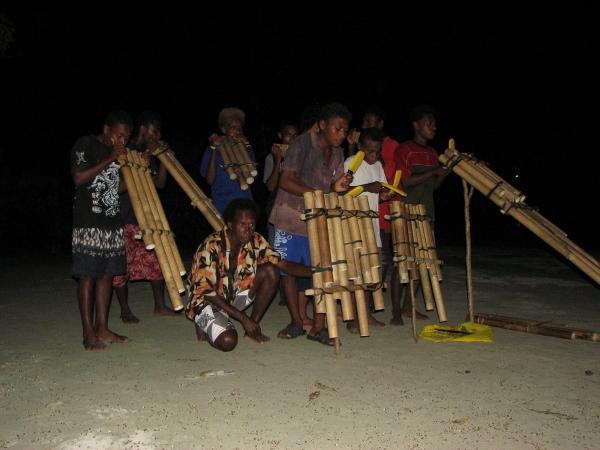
411,154
388,154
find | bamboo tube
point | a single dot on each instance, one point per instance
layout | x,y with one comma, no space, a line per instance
238,159
227,157
337,238
315,254
369,227
361,312
411,289
324,249
134,195
348,245
413,269
355,239
421,265
164,221
363,250
429,241
399,230
378,300
161,255
189,186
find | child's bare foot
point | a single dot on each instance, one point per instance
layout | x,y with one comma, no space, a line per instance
396,320
112,337
93,344
164,311
129,317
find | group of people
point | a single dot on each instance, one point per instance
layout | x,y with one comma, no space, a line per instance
236,267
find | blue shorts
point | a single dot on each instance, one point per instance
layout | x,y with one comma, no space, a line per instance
291,247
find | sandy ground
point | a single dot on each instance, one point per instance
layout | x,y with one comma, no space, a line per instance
384,391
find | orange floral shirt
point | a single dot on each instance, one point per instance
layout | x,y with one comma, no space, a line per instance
210,274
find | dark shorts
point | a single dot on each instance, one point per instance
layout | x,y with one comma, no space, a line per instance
98,252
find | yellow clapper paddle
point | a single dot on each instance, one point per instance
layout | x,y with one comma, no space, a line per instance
356,162
394,189
355,192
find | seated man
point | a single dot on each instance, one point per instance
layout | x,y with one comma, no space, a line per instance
232,269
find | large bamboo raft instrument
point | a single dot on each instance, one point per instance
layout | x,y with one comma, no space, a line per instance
512,202
235,156
415,255
154,226
189,186
344,257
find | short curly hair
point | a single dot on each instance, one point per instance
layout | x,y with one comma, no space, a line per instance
240,204
226,115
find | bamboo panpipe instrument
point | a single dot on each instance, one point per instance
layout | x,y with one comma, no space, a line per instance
283,148
163,223
134,194
150,217
399,241
361,258
235,155
536,327
524,214
228,160
189,186
421,257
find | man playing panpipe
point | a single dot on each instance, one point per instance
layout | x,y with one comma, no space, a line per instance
142,264
421,176
314,161
98,245
232,269
223,188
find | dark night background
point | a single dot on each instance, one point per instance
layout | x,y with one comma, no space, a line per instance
518,92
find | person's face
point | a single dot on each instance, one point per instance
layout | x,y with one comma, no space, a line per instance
150,133
243,225
235,129
288,134
426,127
372,121
118,134
334,130
372,151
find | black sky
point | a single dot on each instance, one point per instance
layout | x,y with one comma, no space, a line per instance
519,92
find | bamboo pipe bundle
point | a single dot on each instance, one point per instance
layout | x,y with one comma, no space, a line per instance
524,214
237,160
315,253
413,267
134,194
355,239
241,152
425,221
189,186
431,262
334,221
399,241
536,327
228,160
326,266
163,218
363,249
421,258
168,269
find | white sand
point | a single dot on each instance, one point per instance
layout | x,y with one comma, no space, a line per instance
385,391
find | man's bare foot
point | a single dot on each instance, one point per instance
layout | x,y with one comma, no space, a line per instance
93,344
112,337
164,311
376,323
260,339
420,316
396,321
128,317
